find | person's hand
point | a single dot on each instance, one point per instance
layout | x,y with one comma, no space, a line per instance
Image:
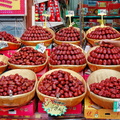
114,42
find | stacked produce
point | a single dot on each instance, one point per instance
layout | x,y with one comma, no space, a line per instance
106,54
15,84
67,54
68,34
36,33
4,36
107,88
27,56
62,83
103,33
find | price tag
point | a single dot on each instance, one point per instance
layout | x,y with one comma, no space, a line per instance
3,45
40,47
102,12
54,107
69,13
116,106
12,112
46,13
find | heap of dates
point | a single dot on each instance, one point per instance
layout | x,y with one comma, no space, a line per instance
106,54
67,54
110,87
35,33
15,84
27,56
2,63
62,83
68,34
4,36
103,33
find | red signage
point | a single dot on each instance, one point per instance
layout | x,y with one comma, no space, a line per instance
13,7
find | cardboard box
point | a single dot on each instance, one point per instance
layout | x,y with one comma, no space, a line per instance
39,74
28,109
71,111
114,8
8,53
90,112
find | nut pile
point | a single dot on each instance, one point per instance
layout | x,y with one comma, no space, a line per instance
15,84
27,56
67,54
62,83
4,36
35,33
110,87
106,54
68,34
103,33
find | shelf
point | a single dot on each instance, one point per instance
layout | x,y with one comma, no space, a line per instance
98,17
39,1
49,24
90,27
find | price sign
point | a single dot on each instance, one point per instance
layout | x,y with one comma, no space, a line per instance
102,12
116,106
69,13
40,47
54,107
3,45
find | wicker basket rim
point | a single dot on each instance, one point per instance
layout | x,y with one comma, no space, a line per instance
45,54
14,96
105,98
70,71
50,30
93,48
18,39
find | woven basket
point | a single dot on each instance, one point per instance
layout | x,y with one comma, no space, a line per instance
93,41
59,42
35,68
76,68
98,76
21,99
34,43
94,67
4,59
67,101
11,45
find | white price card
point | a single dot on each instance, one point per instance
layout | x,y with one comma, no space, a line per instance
12,112
40,47
39,1
102,12
69,13
116,106
3,45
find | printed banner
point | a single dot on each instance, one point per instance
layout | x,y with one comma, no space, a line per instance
13,7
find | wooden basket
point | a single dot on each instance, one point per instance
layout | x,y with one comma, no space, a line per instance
35,68
11,45
21,99
4,59
59,42
93,41
98,76
76,68
68,101
34,43
94,67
